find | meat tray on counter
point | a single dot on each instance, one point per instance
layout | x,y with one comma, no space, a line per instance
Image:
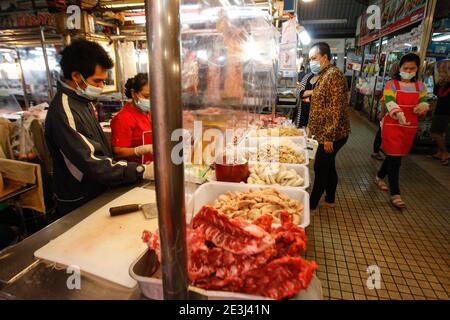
234,255
282,150
278,132
274,174
251,201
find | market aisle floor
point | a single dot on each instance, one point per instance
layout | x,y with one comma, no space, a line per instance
411,247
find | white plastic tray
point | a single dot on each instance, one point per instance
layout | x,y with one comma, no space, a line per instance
259,141
209,192
302,171
146,272
253,132
254,151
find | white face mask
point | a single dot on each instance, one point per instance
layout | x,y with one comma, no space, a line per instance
143,104
315,66
90,92
407,76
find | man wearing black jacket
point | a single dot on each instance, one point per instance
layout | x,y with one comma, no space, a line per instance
82,157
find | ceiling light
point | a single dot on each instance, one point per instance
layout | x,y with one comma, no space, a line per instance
305,38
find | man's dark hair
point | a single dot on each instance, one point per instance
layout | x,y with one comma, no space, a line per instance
83,56
409,57
324,49
136,84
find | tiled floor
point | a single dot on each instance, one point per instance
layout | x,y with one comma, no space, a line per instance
411,247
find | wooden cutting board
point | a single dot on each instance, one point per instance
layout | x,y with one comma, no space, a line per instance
102,245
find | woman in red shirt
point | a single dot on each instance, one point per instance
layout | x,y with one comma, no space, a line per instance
130,124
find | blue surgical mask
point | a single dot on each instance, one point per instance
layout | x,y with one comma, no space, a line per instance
90,92
315,67
143,104
407,76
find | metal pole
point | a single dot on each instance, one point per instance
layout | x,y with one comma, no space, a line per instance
22,78
163,35
426,32
380,43
47,68
120,69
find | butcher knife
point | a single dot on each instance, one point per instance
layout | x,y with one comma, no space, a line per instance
149,209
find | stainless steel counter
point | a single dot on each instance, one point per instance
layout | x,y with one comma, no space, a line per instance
22,276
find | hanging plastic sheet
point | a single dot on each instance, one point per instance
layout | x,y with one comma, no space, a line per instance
229,58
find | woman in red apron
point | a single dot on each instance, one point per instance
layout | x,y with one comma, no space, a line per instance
131,135
406,100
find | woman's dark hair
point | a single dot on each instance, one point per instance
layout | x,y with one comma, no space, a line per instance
136,83
324,49
410,57
83,56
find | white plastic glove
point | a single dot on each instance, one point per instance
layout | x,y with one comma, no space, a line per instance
421,108
400,116
141,150
149,173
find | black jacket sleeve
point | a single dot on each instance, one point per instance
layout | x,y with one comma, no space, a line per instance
86,154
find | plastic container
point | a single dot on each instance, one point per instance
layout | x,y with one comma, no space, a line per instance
145,270
254,133
196,174
209,192
253,142
302,171
253,155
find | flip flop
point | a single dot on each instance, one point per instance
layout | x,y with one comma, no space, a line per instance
397,202
381,184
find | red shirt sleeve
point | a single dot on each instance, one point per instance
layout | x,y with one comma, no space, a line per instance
121,131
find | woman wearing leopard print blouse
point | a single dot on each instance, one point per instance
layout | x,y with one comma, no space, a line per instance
328,122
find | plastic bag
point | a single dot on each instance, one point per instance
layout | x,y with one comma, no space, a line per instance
312,145
22,143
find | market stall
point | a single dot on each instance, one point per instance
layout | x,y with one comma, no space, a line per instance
232,207
381,50
401,33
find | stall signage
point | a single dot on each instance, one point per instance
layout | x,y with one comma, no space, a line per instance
22,19
395,15
438,49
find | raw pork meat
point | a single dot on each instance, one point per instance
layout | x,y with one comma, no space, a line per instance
152,239
280,278
235,235
235,255
290,239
